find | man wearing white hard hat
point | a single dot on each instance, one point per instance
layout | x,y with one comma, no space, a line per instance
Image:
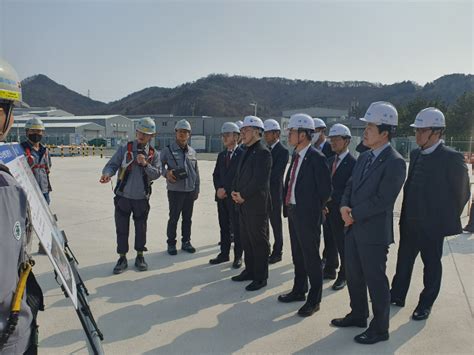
38,158
179,166
341,165
251,192
307,189
137,165
367,210
280,157
330,261
435,193
223,176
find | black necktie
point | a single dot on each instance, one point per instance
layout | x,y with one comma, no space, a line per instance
368,163
227,158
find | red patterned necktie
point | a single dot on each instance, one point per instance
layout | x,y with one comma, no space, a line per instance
334,165
292,179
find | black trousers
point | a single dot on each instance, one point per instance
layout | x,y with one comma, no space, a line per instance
414,240
254,239
229,224
124,207
305,252
470,223
337,231
276,223
365,268
331,261
180,204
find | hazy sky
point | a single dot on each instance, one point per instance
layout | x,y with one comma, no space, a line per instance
114,48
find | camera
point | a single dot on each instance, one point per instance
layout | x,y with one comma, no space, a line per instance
180,173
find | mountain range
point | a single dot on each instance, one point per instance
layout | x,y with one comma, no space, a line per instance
224,95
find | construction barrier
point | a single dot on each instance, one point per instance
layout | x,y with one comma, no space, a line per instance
74,150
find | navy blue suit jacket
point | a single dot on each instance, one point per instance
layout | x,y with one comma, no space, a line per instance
280,158
445,193
372,196
313,187
222,175
341,176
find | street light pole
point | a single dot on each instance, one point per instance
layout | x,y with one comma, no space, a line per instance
254,104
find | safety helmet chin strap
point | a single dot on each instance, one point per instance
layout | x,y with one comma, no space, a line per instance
433,131
7,107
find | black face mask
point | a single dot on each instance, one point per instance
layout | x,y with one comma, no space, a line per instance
35,137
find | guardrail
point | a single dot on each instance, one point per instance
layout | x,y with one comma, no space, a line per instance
75,150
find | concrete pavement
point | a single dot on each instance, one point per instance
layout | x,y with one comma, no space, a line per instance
184,305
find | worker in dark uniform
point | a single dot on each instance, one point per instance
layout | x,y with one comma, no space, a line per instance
341,165
307,189
280,157
367,211
38,158
435,193
251,192
330,260
138,165
18,329
180,168
223,175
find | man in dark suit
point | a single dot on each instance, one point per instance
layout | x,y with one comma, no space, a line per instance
223,175
367,210
341,165
251,192
330,260
435,193
307,189
279,161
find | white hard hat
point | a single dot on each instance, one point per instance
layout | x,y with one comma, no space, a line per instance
301,121
381,112
34,123
319,123
339,130
271,125
429,117
183,124
146,125
230,127
252,121
239,124
10,86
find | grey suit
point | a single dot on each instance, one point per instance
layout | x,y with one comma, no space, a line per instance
372,197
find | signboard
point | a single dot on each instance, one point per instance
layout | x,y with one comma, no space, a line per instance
42,219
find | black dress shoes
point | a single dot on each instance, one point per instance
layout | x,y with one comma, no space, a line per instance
308,309
274,258
256,285
292,297
237,263
339,284
219,259
243,276
397,302
421,313
349,321
371,337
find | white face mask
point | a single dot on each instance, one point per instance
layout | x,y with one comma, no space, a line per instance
315,137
